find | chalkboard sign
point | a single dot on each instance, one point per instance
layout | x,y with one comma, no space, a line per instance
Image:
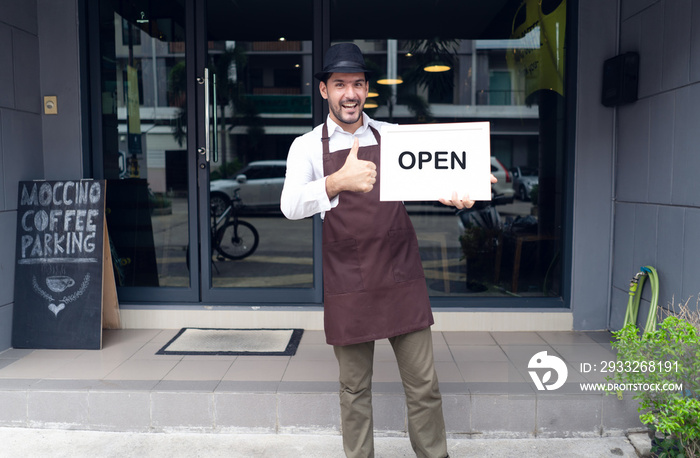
60,259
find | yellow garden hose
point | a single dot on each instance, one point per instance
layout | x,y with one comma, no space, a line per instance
636,286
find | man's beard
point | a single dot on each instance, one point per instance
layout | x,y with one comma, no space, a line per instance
339,114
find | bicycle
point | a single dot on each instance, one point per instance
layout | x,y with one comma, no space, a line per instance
230,237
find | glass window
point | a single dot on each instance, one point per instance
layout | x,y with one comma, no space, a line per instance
501,62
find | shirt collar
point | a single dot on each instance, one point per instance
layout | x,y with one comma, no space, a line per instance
333,127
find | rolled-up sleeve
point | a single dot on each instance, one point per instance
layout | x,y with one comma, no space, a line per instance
304,192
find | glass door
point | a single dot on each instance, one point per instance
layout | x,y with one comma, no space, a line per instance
145,134
256,84
200,102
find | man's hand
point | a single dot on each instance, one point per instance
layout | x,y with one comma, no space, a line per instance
355,175
463,202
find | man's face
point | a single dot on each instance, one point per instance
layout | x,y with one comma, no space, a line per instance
346,94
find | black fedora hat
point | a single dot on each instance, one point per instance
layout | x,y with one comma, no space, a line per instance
343,58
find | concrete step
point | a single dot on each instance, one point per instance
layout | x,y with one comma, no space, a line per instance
488,410
484,379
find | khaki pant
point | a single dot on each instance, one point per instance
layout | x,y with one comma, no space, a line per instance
426,425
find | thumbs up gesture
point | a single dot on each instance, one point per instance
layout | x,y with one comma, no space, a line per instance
355,175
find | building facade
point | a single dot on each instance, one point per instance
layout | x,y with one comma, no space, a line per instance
186,107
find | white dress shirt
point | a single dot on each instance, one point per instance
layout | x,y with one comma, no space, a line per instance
304,192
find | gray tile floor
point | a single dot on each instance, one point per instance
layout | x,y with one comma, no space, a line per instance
460,358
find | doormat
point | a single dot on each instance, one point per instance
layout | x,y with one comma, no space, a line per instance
198,341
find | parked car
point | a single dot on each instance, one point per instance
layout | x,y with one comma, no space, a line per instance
524,178
502,191
260,185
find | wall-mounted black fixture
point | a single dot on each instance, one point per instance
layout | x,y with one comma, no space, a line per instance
620,79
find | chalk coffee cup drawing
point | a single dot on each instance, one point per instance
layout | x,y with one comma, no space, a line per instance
59,283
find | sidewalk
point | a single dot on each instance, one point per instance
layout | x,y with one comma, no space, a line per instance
31,443
485,381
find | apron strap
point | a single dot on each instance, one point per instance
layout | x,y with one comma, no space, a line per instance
325,139
376,136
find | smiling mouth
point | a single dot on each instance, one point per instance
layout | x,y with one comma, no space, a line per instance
350,105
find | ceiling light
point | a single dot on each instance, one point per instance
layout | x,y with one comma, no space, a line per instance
436,67
372,94
371,105
390,81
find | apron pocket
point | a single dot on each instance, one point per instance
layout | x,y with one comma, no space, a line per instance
341,267
405,255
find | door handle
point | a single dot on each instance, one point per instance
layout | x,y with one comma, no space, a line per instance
205,81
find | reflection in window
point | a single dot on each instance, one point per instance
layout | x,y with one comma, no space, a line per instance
508,70
263,102
144,142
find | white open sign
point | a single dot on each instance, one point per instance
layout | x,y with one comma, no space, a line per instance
426,162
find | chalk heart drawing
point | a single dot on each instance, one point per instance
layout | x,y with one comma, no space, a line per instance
57,308
59,283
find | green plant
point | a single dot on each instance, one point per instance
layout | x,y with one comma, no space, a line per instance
476,240
479,249
534,194
158,200
227,170
663,368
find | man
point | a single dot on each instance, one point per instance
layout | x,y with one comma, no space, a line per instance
374,286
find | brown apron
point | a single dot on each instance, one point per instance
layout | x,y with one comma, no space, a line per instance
374,286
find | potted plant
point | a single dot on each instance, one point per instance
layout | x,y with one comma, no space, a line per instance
663,368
